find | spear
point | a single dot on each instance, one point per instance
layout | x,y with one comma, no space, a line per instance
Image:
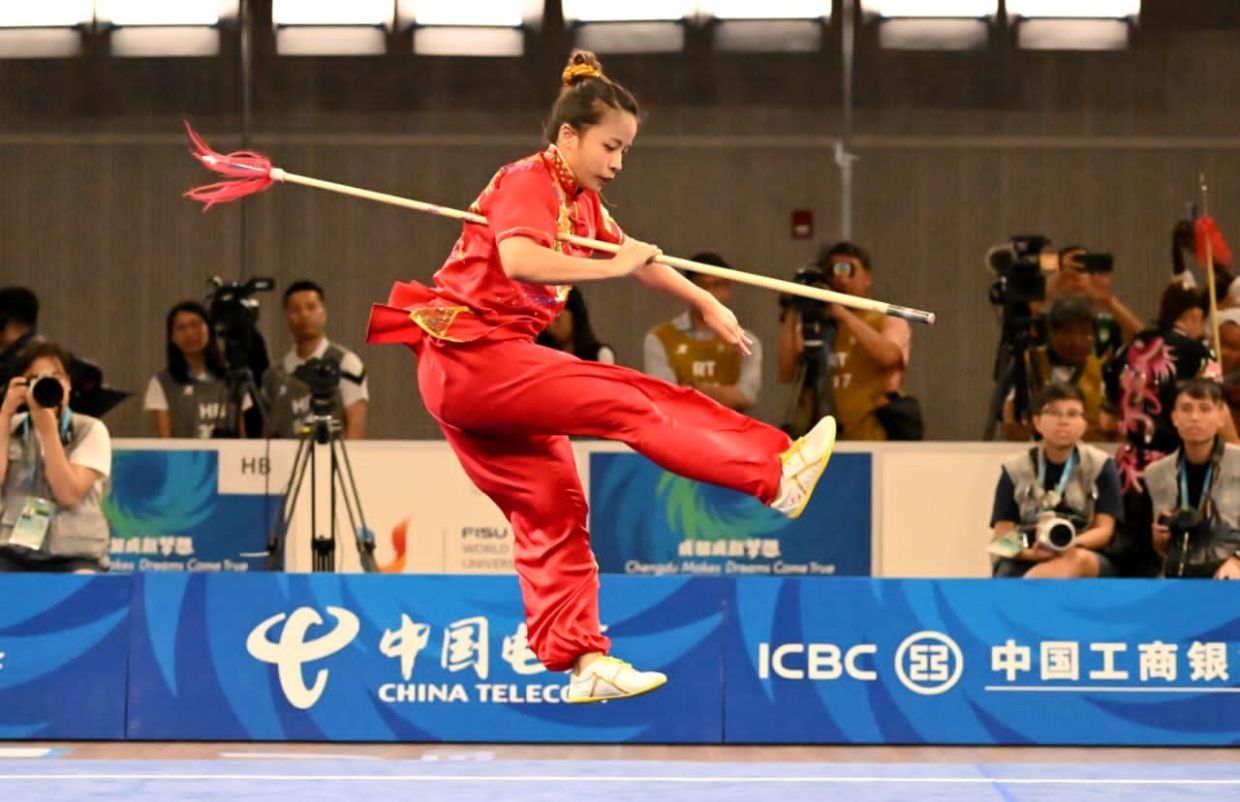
249,172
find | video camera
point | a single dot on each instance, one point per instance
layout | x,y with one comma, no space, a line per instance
812,313
1022,264
234,315
322,376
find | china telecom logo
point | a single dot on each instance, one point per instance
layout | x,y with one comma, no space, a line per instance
292,650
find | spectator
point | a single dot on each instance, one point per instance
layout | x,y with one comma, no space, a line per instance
571,331
1060,476
685,351
289,397
1068,357
54,472
1142,378
1192,491
868,353
190,397
19,320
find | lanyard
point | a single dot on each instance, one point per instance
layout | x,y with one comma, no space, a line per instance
1063,479
1205,486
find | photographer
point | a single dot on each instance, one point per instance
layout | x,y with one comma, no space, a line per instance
190,396
1195,491
1059,478
866,353
1091,275
54,472
314,357
685,351
1068,357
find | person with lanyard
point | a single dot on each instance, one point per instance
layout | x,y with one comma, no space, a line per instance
1194,492
190,397
1059,476
54,472
507,406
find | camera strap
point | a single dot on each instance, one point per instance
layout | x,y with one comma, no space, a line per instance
1207,487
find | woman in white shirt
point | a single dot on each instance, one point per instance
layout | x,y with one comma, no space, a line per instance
190,396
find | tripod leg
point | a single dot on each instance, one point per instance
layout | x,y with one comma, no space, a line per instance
352,502
279,534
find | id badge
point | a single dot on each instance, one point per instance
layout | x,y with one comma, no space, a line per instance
32,523
1009,545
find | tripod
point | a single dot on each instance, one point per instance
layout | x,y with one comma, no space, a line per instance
322,429
241,385
811,395
1011,366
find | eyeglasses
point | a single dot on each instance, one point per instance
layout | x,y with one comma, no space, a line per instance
1070,414
843,269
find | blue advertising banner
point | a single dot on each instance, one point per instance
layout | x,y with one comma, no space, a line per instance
405,658
983,662
63,653
167,514
645,520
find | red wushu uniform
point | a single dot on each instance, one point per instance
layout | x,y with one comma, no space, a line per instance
507,405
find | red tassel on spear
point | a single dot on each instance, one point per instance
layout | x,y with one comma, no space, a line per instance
251,172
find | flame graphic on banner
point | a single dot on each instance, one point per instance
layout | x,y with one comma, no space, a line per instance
399,536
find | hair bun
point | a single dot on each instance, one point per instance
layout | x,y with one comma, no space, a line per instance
582,64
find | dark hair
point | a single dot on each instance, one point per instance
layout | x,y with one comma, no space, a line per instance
304,285
706,258
19,305
1055,391
41,349
1069,310
1200,388
1176,300
584,98
585,344
176,363
844,248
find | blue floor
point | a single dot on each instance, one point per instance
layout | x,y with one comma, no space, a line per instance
608,781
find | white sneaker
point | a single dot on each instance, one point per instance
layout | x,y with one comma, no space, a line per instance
803,464
608,678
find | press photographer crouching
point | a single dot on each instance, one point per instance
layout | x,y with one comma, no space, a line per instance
1056,504
1195,491
54,474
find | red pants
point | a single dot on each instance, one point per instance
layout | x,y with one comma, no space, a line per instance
507,407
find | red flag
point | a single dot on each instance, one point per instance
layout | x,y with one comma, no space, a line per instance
1206,230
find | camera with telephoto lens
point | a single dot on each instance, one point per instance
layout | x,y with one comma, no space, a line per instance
322,377
47,391
1053,531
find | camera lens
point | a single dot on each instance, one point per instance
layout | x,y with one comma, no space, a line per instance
47,391
1060,536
